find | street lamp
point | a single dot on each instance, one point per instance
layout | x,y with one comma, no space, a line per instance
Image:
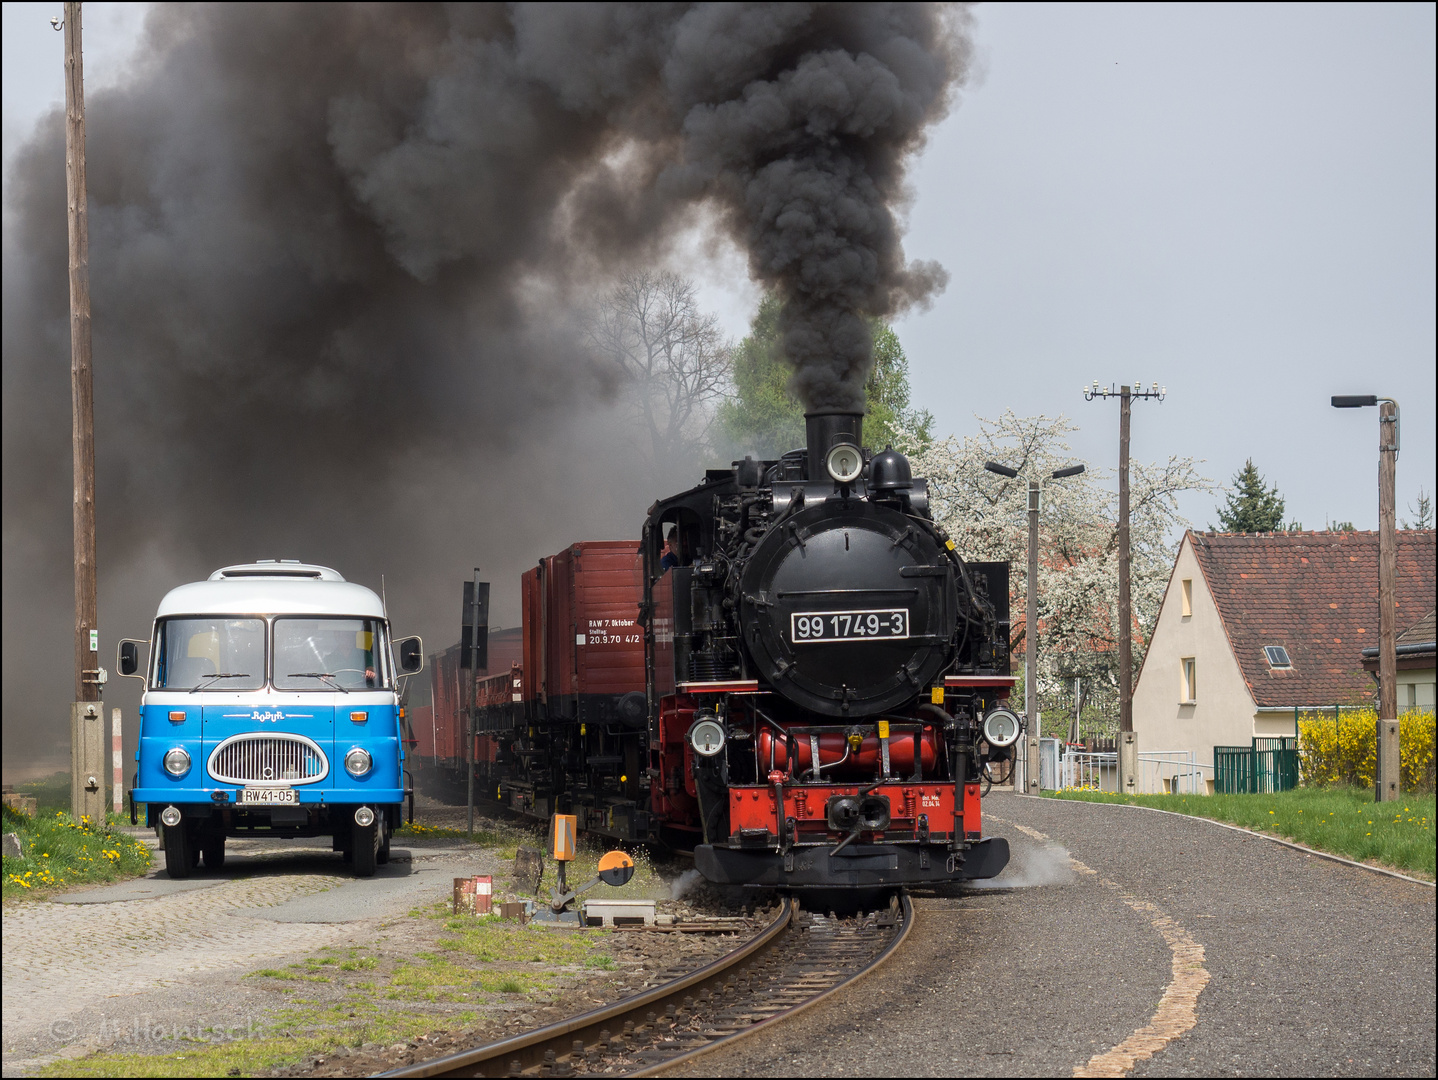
1386,788
1031,614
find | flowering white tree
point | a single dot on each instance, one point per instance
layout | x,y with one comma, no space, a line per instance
987,517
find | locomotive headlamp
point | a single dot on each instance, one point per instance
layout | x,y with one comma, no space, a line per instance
177,761
1001,728
845,463
707,737
357,761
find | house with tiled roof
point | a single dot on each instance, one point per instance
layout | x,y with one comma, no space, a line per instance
1254,625
1417,667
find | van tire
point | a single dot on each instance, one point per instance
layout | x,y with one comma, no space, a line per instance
366,848
177,851
215,852
382,855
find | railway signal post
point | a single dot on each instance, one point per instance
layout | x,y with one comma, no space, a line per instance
1386,786
1127,740
473,657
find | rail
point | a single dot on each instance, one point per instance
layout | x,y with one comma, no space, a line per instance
796,961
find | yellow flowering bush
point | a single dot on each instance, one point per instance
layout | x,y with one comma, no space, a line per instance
1343,750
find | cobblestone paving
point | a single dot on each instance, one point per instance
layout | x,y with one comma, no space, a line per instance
63,959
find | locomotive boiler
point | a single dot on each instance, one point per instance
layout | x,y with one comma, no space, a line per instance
826,677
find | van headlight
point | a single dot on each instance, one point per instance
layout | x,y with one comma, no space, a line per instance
357,762
177,762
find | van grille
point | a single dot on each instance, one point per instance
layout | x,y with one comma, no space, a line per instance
277,760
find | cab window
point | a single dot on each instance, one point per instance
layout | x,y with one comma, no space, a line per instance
329,654
213,653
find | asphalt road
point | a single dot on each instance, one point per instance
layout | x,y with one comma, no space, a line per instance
1304,966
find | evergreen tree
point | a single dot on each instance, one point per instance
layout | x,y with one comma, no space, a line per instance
1251,507
1423,512
765,419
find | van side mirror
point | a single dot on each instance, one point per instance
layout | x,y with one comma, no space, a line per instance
411,655
129,658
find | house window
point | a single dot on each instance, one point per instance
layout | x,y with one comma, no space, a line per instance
1413,695
1190,680
1187,597
1277,656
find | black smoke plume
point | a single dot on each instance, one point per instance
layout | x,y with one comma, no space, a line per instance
336,256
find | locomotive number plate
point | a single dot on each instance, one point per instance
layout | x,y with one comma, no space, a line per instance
812,626
269,796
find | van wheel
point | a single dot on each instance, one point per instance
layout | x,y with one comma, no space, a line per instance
215,853
366,848
382,855
177,851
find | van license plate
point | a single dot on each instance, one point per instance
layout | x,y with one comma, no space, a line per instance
269,796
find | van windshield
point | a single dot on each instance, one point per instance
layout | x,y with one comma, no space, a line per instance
211,653
329,654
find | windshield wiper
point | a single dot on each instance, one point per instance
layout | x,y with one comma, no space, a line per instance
221,675
325,675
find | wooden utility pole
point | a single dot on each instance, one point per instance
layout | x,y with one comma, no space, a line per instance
1386,785
1125,595
86,746
1031,649
1127,740
1388,754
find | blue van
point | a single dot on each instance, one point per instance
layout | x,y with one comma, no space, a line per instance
271,709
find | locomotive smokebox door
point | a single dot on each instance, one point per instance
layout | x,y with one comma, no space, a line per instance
849,609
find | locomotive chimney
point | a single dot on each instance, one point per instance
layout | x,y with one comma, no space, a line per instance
824,431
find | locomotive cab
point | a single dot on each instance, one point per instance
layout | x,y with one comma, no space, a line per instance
820,670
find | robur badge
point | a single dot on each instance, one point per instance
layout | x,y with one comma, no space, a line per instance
263,716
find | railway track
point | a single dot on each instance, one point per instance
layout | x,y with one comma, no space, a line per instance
797,960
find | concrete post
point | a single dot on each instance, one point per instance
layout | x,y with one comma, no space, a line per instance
1388,762
1128,762
87,760
1031,763
117,762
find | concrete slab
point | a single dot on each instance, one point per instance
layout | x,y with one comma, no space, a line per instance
395,888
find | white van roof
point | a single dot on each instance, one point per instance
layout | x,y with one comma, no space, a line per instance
273,587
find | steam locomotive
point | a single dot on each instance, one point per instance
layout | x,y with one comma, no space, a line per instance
796,675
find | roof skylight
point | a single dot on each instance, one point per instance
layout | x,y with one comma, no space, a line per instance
1277,656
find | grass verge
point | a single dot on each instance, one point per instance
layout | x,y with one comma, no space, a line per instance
1342,821
61,852
369,999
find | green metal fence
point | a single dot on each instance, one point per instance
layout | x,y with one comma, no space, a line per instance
1267,766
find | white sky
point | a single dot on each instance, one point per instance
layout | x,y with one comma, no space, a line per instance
1235,201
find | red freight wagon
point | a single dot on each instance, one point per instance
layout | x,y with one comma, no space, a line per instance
564,729
583,649
438,754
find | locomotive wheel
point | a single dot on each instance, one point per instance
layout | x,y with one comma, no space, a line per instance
366,848
177,851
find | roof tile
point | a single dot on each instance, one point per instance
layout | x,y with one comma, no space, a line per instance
1308,592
